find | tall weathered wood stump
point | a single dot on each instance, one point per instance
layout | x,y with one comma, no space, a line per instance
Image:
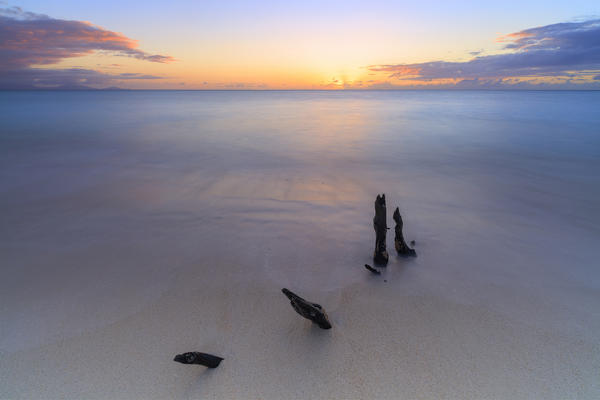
401,246
380,256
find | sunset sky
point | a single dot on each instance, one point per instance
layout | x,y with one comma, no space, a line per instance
185,44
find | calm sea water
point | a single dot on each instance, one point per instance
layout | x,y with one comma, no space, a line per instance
107,199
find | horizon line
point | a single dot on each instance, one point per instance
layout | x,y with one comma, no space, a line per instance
297,90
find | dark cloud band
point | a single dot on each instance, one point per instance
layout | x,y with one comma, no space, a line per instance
565,49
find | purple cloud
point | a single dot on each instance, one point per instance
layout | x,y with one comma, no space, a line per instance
28,39
565,49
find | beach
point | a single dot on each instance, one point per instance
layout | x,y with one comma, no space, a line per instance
139,225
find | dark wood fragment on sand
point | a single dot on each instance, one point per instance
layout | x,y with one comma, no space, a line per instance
194,357
311,311
373,270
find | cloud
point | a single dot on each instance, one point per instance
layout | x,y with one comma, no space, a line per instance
37,78
135,75
558,50
382,86
240,85
34,39
69,78
28,40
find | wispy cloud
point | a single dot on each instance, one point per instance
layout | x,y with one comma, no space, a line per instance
566,50
28,40
135,75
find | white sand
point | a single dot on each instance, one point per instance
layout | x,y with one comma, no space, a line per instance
449,324
383,345
114,262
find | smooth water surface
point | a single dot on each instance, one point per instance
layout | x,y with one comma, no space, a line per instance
108,199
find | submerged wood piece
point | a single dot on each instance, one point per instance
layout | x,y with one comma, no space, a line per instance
373,270
400,244
308,310
380,256
194,357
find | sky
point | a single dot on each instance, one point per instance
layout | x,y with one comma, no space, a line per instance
185,44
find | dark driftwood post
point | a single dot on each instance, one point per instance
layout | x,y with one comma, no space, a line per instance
194,357
400,244
379,223
308,310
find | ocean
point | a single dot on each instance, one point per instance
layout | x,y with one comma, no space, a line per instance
113,200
